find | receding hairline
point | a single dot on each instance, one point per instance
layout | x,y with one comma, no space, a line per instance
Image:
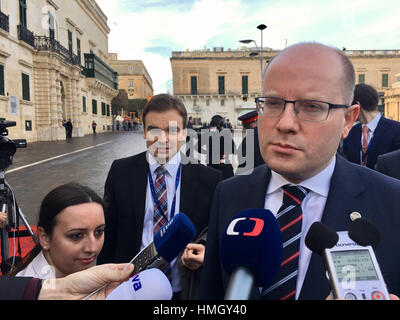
348,74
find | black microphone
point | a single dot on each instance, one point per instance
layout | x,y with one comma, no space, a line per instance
320,237
168,242
349,258
364,232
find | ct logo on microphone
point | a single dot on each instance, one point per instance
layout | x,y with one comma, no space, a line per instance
257,229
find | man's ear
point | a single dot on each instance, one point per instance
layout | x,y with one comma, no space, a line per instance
350,117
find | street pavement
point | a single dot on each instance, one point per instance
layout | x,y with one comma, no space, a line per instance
43,166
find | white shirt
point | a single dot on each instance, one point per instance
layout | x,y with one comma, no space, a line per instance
172,167
313,206
38,268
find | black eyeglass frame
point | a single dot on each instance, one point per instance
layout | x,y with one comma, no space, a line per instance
330,105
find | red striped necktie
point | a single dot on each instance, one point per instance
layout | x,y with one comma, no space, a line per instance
161,194
290,218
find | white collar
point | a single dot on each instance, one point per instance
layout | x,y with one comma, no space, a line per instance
171,166
374,122
318,183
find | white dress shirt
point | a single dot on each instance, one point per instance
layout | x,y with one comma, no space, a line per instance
171,167
38,268
312,206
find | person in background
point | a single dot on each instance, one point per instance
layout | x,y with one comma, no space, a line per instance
374,134
144,191
94,125
249,159
70,233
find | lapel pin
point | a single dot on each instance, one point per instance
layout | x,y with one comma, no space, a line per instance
355,215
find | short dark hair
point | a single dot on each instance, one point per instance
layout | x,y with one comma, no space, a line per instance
367,96
163,102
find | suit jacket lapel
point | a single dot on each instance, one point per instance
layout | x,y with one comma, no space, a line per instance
138,192
188,190
347,194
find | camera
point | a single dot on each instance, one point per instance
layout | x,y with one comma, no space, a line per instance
8,147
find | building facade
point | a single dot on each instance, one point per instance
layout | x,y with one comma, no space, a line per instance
226,82
53,59
132,77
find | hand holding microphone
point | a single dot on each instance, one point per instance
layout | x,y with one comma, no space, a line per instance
150,284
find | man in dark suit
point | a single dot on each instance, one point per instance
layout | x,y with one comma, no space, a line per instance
304,113
374,134
249,155
130,203
389,164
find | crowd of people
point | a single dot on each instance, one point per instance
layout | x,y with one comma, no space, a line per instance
309,107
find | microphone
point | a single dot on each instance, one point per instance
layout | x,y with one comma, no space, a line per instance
364,232
320,237
168,242
353,269
150,284
251,252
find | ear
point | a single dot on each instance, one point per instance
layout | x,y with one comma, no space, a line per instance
43,238
350,117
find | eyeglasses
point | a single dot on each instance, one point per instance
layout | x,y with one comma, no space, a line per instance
306,110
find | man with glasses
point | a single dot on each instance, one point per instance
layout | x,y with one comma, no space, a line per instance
304,112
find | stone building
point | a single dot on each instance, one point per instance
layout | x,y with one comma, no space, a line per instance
132,77
226,82
53,59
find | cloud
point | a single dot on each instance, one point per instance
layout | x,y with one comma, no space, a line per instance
149,29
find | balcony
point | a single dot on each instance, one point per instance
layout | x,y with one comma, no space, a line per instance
44,43
98,69
4,22
25,35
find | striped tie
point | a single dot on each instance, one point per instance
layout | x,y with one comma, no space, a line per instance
290,219
158,217
161,194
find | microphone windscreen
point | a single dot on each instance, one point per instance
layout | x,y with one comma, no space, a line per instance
174,236
320,237
364,232
150,284
253,240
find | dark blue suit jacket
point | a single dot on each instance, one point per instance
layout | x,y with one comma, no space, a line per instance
389,164
386,139
352,188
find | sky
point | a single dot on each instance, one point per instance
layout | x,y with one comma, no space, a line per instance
149,30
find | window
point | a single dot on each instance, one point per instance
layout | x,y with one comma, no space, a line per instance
130,83
245,84
94,106
83,103
108,110
385,80
361,78
221,84
51,26
2,91
22,13
70,41
193,85
25,88
103,108
28,125
78,49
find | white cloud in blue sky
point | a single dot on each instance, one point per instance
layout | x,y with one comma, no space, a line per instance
150,30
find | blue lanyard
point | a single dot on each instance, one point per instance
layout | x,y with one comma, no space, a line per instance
153,193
